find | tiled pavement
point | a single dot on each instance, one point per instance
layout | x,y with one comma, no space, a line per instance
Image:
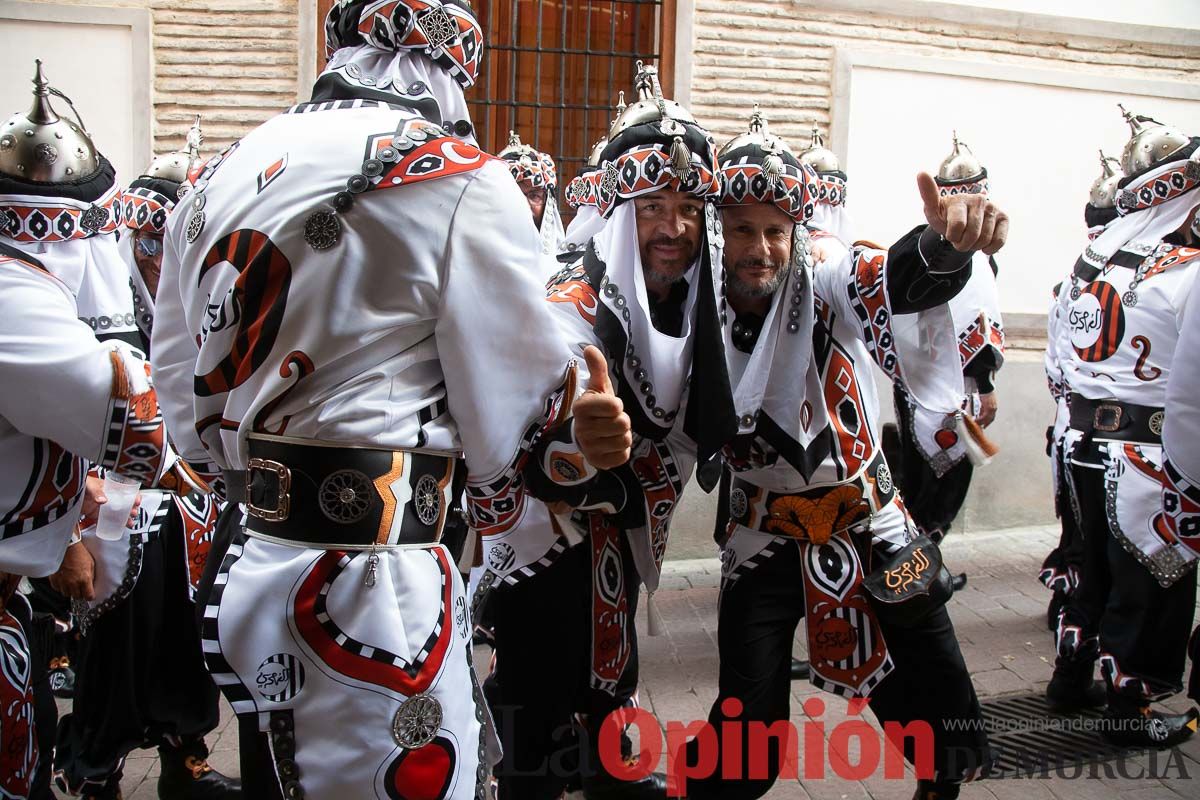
1000,619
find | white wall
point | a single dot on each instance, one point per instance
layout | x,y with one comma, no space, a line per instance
93,64
1038,141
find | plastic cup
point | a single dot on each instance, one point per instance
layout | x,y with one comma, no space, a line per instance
121,492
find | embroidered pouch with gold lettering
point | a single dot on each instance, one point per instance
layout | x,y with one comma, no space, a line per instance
911,585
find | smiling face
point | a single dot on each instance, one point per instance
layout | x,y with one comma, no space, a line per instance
758,248
536,197
669,225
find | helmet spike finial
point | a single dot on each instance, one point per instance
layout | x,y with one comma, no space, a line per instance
41,113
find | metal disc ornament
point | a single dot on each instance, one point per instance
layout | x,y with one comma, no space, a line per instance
417,721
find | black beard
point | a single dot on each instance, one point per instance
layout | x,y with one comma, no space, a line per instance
736,286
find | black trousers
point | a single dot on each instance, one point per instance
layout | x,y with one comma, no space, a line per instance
759,614
932,502
543,628
1144,626
1068,555
140,680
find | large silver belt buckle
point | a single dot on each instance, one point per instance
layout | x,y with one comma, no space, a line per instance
1107,418
283,502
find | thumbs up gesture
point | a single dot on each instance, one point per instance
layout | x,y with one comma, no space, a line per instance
967,221
602,428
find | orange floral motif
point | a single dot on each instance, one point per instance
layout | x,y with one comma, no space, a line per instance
816,519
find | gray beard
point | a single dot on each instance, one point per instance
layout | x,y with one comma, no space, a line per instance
762,290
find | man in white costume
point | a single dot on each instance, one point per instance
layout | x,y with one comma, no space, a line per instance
645,293
938,460
1122,309
345,308
812,507
1062,565
535,173
79,396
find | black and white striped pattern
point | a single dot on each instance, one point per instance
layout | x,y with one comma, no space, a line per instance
237,693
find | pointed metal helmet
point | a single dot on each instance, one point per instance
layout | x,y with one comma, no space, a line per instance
1150,144
38,145
1103,193
961,165
515,148
176,166
768,143
818,156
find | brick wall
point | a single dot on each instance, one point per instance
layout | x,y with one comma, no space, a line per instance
232,61
781,55
235,62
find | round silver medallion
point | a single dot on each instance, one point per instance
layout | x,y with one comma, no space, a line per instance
738,504
427,500
1156,423
883,479
195,225
322,230
1075,292
345,496
1129,299
417,721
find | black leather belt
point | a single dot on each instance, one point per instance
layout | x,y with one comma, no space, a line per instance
1112,419
327,495
819,510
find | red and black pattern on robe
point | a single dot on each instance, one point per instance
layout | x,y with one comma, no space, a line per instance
421,152
495,507
298,364
845,644
362,662
659,478
199,515
272,171
425,773
855,444
869,299
136,444
18,740
577,289
1181,507
55,484
1176,257
1106,321
258,301
612,637
981,333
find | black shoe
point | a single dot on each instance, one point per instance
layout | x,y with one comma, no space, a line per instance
937,790
957,582
186,775
1141,727
1072,688
603,786
62,678
800,670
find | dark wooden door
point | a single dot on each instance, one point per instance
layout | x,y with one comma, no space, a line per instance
552,69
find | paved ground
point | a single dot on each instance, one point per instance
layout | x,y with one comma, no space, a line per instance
1000,619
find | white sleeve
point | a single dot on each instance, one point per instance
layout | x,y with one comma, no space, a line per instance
501,353
92,398
173,355
1181,423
